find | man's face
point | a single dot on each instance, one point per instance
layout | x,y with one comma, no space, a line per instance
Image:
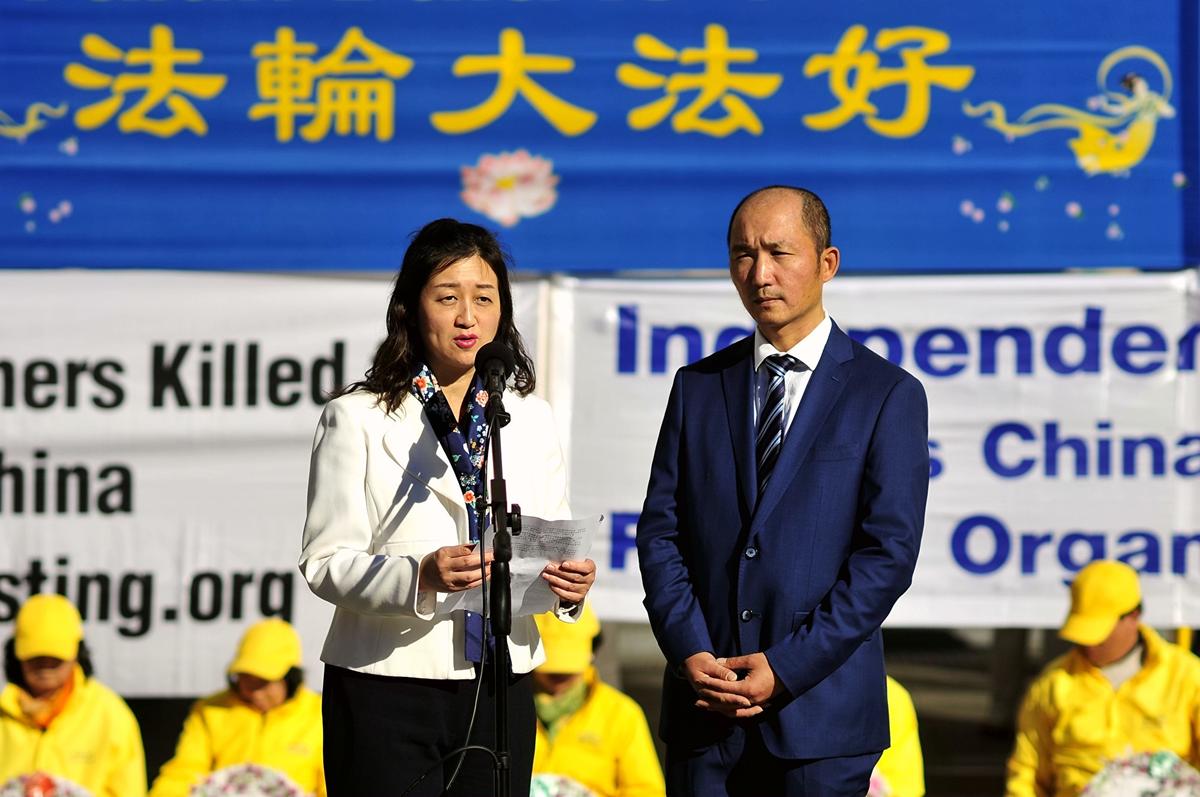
775,265
1122,639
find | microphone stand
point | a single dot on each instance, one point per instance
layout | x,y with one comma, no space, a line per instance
501,587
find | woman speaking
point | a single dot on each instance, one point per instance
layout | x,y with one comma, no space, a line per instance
398,470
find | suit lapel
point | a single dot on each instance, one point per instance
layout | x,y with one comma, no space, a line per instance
825,386
410,441
738,387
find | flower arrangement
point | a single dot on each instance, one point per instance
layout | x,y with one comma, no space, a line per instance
1161,774
547,785
41,784
247,780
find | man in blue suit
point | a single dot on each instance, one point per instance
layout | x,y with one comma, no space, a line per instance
781,523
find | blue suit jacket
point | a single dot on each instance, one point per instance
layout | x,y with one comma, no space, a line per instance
806,574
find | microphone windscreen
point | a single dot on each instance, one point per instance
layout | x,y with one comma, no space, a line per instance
495,355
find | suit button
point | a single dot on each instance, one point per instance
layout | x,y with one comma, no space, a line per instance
751,552
747,615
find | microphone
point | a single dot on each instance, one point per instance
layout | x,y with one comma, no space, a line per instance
495,361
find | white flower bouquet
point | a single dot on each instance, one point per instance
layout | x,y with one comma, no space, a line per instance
247,780
41,784
547,785
1161,774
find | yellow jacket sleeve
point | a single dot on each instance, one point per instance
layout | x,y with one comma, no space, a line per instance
1195,716
192,761
128,775
320,792
1029,770
638,770
902,765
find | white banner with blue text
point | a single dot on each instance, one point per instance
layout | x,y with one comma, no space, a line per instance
1064,426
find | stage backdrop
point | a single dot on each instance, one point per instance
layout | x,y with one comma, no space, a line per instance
316,134
155,431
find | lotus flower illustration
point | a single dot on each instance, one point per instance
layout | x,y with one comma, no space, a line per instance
510,186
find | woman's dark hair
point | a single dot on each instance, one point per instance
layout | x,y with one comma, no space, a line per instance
292,679
435,246
12,665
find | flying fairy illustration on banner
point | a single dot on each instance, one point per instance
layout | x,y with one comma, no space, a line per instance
35,119
1117,130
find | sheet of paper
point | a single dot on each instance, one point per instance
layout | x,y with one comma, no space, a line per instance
539,543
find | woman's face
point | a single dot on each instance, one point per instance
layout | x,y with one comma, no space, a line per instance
459,313
259,693
45,675
554,683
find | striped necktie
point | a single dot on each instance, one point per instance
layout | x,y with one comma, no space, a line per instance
771,420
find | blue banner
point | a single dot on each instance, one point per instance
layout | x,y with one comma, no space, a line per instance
596,135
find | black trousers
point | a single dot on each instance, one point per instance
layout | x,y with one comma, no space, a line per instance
382,733
741,766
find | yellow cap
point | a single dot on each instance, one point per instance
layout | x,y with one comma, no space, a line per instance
48,625
1100,594
568,645
268,649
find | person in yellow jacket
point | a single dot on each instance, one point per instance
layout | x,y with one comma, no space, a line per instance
587,730
901,767
55,717
266,717
1123,689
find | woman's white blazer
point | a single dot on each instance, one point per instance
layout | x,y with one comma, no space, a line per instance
381,497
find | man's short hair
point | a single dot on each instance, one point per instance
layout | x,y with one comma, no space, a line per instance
813,212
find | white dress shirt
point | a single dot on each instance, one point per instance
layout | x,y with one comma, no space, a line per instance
807,351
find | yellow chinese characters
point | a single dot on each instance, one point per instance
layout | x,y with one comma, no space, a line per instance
513,66
715,84
916,45
160,86
353,86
